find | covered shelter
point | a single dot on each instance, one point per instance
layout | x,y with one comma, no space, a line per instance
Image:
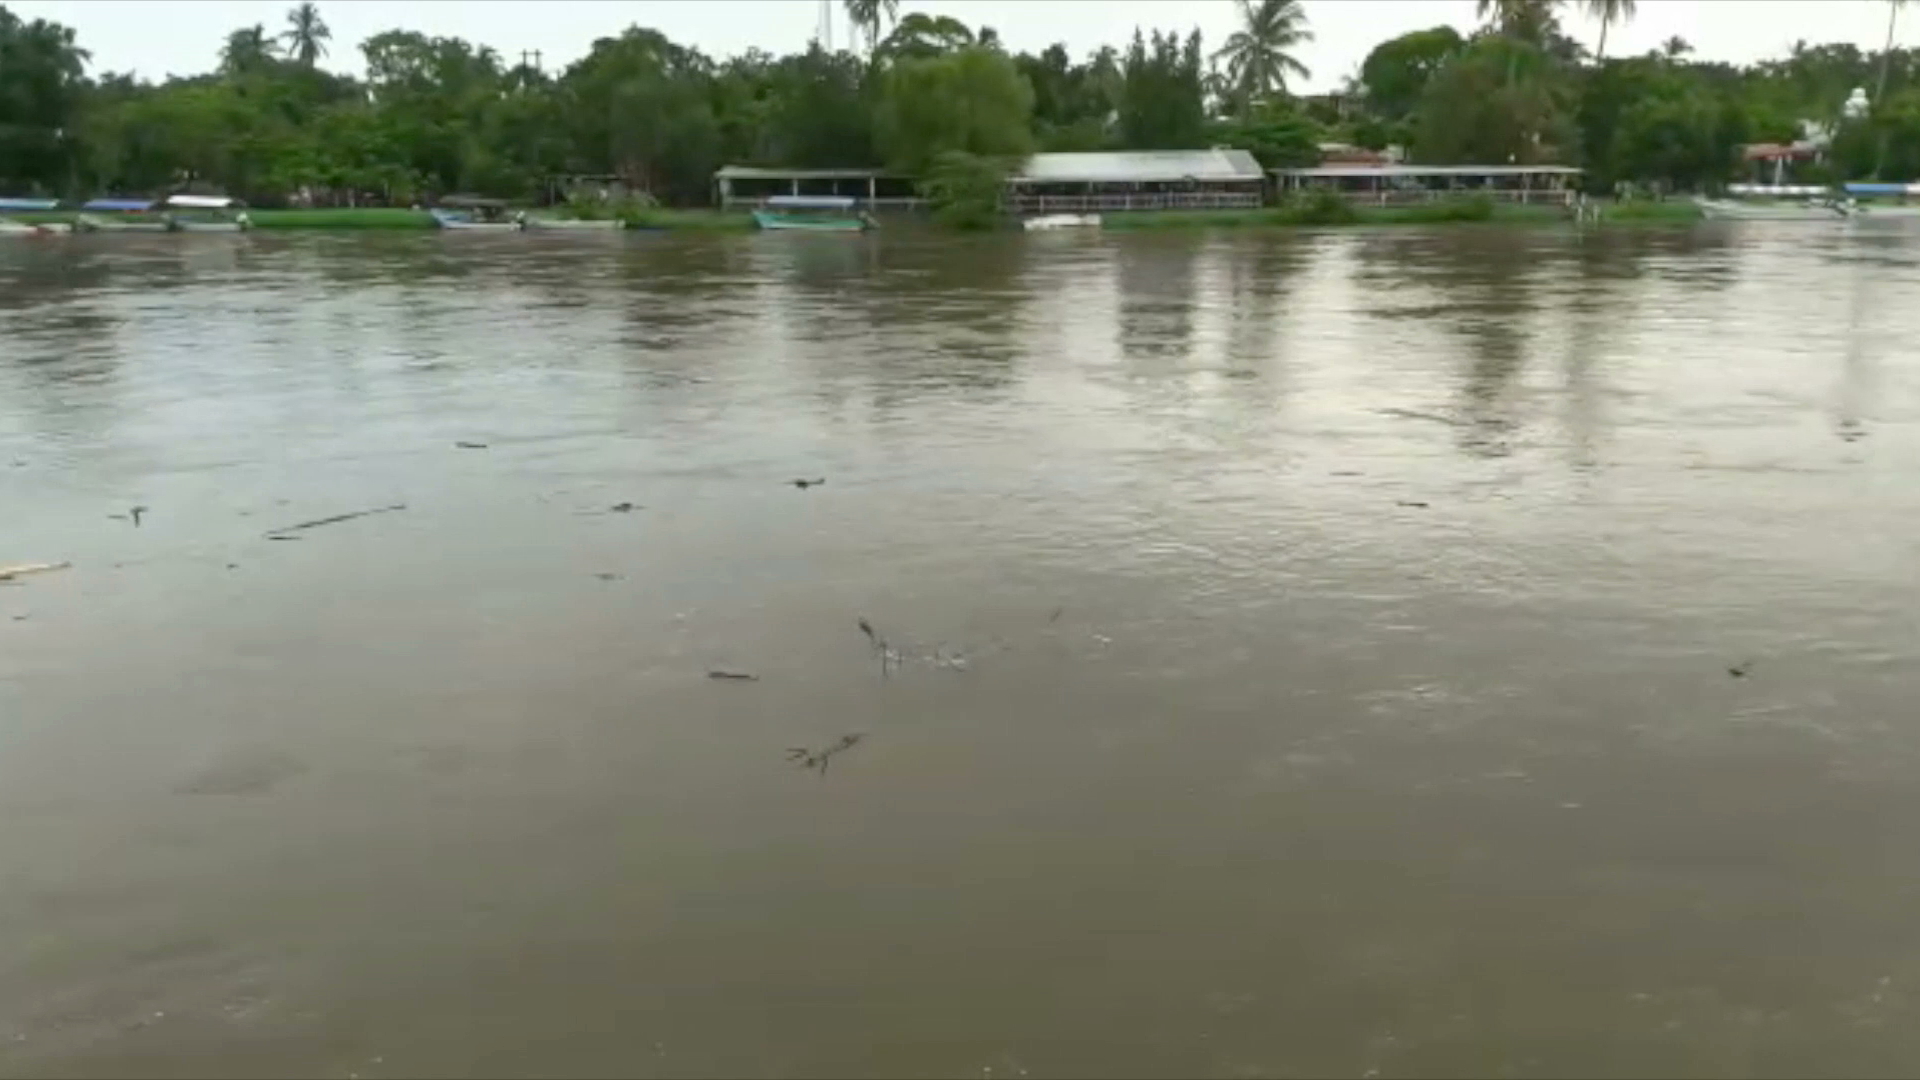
1397,185
748,185
1216,179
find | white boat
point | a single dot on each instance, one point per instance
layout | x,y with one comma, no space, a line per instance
470,213
205,213
1050,222
9,227
534,223
120,215
1826,209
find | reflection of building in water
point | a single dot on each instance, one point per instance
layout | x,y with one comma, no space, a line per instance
1136,180
1394,185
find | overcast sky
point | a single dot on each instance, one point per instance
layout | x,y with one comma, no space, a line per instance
173,37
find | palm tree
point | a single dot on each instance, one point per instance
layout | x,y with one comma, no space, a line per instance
1524,20
1886,56
1608,12
866,14
305,33
1675,47
247,49
1258,60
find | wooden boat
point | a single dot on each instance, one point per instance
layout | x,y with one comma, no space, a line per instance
120,215
205,213
10,227
471,213
1050,222
811,213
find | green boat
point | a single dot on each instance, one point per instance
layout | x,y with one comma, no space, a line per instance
812,213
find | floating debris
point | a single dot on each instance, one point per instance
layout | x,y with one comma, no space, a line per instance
732,676
271,536
817,759
888,657
1346,472
1413,414
805,484
607,575
469,446
276,534
894,655
8,573
624,508
1739,670
132,515
1055,617
1413,504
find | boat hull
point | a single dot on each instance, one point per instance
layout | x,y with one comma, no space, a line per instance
90,223
1051,222
535,224
1728,210
26,228
209,226
774,222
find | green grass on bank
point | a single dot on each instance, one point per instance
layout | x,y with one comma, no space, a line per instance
345,217
1670,211
689,220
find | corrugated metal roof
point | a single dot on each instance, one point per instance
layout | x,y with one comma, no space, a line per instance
1430,170
29,204
1140,167
120,204
750,172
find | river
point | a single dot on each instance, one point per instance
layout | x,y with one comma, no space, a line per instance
1364,653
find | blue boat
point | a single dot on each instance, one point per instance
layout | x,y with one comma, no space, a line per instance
811,213
10,227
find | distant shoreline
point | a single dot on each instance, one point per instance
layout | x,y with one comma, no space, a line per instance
1671,212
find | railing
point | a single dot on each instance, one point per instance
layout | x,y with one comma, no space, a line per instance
1411,196
1160,200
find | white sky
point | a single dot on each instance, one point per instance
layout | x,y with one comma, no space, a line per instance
156,39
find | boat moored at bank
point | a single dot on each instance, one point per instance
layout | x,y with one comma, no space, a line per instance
811,213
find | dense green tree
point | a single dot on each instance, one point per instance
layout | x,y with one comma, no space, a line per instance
437,114
1276,133
42,72
919,36
248,51
1163,104
1500,100
1397,71
917,121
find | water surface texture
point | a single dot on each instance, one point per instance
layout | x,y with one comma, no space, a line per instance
1474,652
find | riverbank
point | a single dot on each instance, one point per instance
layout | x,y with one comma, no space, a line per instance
1320,216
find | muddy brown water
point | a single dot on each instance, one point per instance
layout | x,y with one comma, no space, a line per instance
1309,655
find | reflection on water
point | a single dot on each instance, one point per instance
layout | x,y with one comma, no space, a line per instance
1315,654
